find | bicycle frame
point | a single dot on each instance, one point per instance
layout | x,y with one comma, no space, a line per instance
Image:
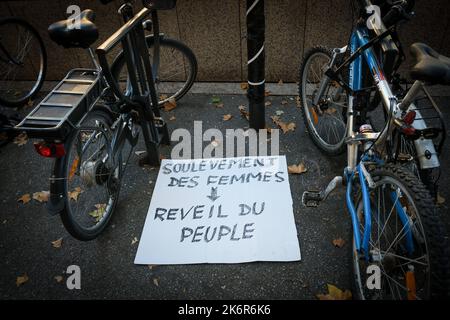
359,39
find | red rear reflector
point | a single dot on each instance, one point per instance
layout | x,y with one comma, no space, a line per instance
409,131
410,117
50,150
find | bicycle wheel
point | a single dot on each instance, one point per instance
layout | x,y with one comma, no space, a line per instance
325,121
175,75
90,182
407,240
23,60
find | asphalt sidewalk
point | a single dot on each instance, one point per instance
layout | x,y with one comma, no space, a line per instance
27,230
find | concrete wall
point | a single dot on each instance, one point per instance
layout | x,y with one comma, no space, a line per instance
215,30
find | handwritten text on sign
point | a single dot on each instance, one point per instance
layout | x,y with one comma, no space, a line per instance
220,211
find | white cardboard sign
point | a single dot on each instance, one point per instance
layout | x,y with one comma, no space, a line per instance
227,210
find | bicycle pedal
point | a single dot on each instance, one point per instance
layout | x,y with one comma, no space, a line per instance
311,198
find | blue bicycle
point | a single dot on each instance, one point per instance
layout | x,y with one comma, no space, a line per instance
396,229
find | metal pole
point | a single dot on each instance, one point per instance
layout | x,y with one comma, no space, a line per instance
256,59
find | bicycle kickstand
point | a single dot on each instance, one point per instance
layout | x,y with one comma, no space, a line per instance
313,198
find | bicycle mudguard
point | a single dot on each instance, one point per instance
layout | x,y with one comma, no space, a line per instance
64,107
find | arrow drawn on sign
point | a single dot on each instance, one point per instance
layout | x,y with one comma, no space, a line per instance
213,196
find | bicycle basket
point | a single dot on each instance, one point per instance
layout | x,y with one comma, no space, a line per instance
160,4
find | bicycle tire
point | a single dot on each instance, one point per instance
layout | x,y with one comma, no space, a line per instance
433,231
187,54
62,172
31,94
327,148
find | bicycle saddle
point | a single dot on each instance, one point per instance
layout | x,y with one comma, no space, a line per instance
430,66
70,35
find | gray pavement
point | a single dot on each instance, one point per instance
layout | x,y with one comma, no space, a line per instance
107,269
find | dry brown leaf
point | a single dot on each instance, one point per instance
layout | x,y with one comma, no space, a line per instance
284,102
21,139
59,279
41,196
440,200
244,85
73,195
267,93
163,97
338,243
227,117
297,168
330,111
244,112
334,293
285,127
25,198
215,143
170,105
29,103
21,280
298,101
280,82
57,243
134,240
156,282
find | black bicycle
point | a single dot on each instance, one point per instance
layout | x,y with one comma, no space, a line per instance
22,58
88,123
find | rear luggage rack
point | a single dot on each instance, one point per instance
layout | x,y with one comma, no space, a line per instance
63,108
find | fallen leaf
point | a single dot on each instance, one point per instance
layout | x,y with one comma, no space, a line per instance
267,93
170,105
285,127
279,112
98,212
21,280
244,112
219,105
134,240
298,101
29,103
21,139
152,266
440,200
227,117
268,103
41,196
156,282
57,243
334,293
215,100
330,111
215,143
73,195
297,169
25,198
59,279
163,97
284,102
172,118
338,243
280,82
244,85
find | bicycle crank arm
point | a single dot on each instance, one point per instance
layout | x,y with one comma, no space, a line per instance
313,198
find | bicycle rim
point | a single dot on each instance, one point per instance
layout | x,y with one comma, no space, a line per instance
388,246
22,61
